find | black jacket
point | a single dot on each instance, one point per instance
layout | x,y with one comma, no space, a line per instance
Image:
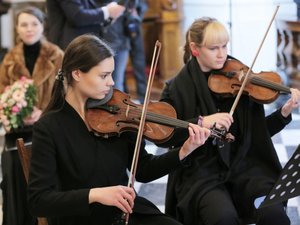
249,166
68,19
68,160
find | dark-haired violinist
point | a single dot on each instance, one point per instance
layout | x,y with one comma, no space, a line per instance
223,180
79,178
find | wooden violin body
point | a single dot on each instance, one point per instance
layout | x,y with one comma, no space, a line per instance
263,87
120,114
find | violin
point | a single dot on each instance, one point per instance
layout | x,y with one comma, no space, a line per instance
120,114
263,87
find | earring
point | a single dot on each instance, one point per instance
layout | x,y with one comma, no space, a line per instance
195,53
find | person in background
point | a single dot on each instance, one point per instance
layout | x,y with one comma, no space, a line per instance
103,18
115,34
67,19
223,180
35,58
137,53
77,177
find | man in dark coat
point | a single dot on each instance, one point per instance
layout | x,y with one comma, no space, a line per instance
68,19
103,18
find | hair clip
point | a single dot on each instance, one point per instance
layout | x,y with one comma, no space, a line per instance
60,75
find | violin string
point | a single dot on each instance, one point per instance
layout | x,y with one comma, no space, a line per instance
270,84
135,112
168,120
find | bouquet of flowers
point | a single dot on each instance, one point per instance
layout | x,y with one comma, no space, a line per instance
16,103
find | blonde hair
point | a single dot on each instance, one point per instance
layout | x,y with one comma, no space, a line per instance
204,31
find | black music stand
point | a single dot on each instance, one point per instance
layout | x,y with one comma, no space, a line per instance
288,183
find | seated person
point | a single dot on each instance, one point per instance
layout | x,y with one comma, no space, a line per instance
77,177
224,179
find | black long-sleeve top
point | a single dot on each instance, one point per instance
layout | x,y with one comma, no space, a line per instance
68,160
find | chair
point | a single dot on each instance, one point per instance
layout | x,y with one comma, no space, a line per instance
24,152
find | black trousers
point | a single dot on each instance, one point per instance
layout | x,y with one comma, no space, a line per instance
217,208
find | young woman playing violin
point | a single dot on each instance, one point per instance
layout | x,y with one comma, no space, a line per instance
79,178
222,181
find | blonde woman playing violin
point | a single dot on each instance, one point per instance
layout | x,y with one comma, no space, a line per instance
223,180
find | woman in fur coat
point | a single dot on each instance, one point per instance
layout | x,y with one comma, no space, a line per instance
37,59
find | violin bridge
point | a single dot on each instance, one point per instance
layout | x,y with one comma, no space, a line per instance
241,76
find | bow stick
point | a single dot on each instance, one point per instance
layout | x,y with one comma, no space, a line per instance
250,68
143,118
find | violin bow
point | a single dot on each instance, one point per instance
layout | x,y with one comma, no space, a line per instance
133,169
237,98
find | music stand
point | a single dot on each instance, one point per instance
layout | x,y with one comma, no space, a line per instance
288,183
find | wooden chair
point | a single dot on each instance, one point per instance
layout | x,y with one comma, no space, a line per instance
24,152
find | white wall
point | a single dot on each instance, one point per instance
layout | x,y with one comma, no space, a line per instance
249,19
7,30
